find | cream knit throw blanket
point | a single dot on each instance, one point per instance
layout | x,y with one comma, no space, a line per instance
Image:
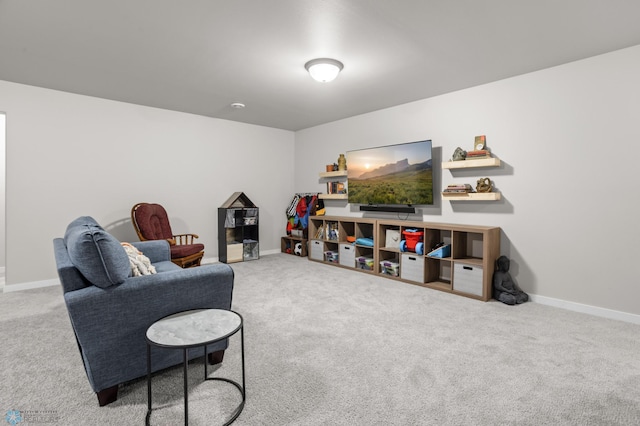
140,264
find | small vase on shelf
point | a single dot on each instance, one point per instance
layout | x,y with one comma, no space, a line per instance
342,162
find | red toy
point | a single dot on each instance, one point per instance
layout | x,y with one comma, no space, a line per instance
412,241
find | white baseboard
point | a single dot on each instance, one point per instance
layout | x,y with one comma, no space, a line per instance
268,252
2,278
30,285
586,309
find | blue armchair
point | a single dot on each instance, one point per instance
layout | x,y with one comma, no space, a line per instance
110,310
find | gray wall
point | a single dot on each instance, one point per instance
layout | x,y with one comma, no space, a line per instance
70,155
3,228
567,137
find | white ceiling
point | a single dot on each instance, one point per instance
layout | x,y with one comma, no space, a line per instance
199,56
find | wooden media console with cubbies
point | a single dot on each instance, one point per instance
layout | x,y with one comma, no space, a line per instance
465,268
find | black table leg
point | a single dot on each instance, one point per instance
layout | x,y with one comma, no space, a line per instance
206,373
244,389
148,384
186,393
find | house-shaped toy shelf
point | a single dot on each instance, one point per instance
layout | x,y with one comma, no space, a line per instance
238,229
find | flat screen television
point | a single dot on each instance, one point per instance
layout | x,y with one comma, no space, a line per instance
392,175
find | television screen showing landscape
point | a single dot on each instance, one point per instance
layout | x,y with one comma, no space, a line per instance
395,174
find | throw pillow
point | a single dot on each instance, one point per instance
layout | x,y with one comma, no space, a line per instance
97,254
140,264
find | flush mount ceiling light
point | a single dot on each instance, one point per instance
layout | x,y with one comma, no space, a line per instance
237,105
324,70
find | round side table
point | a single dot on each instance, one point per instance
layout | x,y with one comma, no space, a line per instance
192,329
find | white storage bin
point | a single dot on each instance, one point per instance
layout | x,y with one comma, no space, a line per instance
412,267
467,278
316,250
347,255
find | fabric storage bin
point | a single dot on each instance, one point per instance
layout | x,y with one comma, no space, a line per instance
389,267
412,267
467,278
251,250
234,252
364,263
316,250
347,255
331,256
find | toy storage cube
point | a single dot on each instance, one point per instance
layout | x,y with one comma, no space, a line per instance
389,267
467,278
412,267
365,263
347,255
331,256
297,247
316,250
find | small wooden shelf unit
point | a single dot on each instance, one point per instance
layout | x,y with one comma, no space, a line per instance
335,176
471,196
468,271
471,164
288,244
467,164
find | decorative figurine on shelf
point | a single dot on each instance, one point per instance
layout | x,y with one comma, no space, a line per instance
484,185
342,162
459,154
504,288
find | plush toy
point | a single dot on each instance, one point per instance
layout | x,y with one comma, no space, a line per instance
298,249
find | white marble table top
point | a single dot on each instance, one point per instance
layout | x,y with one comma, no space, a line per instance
192,328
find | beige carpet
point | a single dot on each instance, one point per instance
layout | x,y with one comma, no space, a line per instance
329,346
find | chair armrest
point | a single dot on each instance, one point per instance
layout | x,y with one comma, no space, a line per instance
155,250
153,296
182,239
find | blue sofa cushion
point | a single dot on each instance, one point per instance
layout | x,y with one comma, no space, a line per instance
97,254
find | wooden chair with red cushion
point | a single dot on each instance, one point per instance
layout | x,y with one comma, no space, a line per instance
151,222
